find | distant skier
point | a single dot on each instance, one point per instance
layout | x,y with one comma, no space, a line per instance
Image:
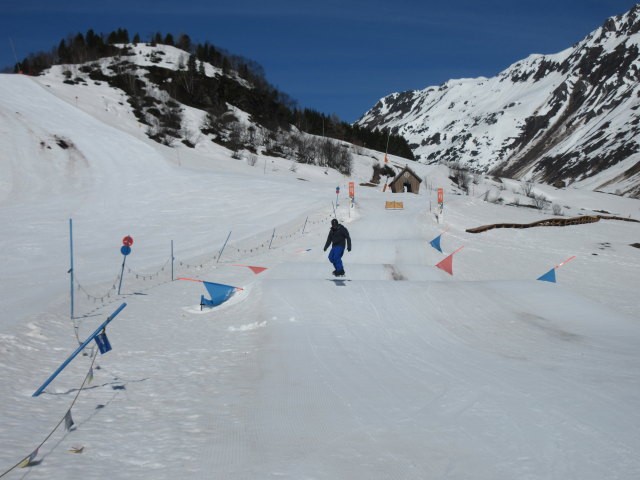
338,237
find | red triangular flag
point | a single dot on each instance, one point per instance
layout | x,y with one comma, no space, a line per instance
255,270
446,264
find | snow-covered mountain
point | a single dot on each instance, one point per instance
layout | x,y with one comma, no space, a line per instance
568,118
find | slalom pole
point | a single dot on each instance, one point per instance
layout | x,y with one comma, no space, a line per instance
124,259
78,350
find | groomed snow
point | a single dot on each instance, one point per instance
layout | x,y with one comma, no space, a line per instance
399,371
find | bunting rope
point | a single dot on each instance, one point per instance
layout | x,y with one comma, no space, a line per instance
233,253
26,461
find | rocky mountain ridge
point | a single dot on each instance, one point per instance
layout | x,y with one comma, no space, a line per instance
567,118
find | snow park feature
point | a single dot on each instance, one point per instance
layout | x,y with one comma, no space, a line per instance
219,292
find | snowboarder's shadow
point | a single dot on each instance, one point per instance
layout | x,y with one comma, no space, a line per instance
339,282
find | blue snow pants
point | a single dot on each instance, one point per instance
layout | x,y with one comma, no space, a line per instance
335,257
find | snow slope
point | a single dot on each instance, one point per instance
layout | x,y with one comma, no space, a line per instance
398,371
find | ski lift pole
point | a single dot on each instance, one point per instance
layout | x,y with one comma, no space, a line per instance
222,249
78,350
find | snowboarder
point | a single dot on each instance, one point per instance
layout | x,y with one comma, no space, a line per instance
338,237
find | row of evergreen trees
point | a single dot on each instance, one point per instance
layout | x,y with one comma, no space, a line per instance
267,105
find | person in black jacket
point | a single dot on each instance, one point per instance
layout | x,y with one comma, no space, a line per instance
338,237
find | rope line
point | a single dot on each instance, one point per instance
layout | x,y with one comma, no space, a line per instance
26,458
234,252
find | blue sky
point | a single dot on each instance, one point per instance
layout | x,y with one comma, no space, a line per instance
333,56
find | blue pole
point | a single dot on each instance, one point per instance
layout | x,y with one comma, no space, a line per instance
124,259
78,350
222,249
71,269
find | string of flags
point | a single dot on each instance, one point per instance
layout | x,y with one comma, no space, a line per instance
67,419
550,276
100,337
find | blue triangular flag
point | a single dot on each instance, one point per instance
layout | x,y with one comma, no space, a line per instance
435,243
219,293
550,276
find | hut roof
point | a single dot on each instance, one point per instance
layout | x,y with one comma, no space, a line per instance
406,169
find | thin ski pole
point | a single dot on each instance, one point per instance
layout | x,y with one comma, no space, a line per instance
222,249
272,235
124,259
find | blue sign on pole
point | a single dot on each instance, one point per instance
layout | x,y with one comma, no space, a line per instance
103,342
125,250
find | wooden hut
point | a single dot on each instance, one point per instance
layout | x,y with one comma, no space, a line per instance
406,181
